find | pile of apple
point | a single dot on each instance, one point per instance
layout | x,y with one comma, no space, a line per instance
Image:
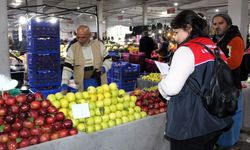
150,101
108,106
154,77
28,119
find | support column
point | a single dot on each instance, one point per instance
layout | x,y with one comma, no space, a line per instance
145,14
4,47
100,17
238,11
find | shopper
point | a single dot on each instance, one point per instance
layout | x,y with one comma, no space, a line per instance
85,59
147,45
189,125
228,38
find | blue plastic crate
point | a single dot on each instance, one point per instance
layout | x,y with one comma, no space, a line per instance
114,53
90,82
43,45
45,92
44,61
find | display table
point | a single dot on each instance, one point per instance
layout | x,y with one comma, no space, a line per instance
144,134
140,83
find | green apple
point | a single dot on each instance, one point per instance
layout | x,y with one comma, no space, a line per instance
91,90
114,100
81,127
75,122
90,121
51,97
98,112
64,103
137,115
143,114
107,95
100,97
59,95
124,112
82,120
99,104
131,117
137,109
131,111
56,103
112,116
71,97
118,114
125,119
99,90
121,93
71,104
118,121
93,98
105,118
104,125
106,110
119,106
97,119
92,105
126,104
64,110
112,108
111,123
81,101
90,129
92,113
131,104
133,98
105,88
126,98
85,95
114,93
107,101
120,99
78,95
70,114
98,127
113,86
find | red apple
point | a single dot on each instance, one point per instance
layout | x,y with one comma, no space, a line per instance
156,106
12,145
17,125
50,119
24,107
39,121
67,123
33,114
4,138
35,131
3,146
6,95
38,96
13,135
10,118
52,109
54,136
73,131
151,112
45,103
14,109
46,128
162,109
3,111
34,140
23,115
162,104
10,101
21,98
157,111
30,98
145,109
138,103
35,105
63,133
1,121
44,137
25,133
60,116
42,111
1,102
28,124
6,128
57,126
24,143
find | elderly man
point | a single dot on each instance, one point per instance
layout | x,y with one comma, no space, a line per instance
85,59
228,38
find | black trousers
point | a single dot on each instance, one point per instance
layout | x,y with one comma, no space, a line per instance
205,142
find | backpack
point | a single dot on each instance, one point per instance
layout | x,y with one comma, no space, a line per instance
221,98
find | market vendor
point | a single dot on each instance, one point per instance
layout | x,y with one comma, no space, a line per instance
85,59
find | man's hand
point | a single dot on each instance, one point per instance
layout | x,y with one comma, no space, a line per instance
64,89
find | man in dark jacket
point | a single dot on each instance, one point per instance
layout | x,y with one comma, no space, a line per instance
147,45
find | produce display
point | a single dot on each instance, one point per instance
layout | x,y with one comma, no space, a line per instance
29,119
149,101
108,106
155,77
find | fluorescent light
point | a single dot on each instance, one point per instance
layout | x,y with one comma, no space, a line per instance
123,11
53,20
20,33
217,10
38,19
91,17
78,7
160,31
176,4
22,20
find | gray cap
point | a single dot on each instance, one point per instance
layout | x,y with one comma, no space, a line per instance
224,16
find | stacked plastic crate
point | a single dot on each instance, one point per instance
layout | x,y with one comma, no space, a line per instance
43,44
124,74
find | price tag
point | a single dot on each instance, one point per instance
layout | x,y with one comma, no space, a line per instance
80,111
